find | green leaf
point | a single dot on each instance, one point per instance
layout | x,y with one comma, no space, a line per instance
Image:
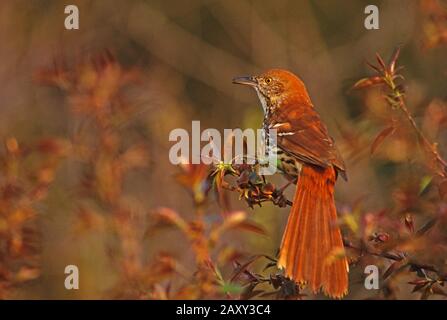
425,182
231,288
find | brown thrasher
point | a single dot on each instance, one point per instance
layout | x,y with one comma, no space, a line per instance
312,248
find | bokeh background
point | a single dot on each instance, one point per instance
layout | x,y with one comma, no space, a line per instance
185,54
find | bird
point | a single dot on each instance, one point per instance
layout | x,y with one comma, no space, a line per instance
311,251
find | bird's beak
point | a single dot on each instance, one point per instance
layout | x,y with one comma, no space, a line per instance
248,81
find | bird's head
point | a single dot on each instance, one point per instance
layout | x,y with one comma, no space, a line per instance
277,86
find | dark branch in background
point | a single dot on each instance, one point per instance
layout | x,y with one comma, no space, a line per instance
426,283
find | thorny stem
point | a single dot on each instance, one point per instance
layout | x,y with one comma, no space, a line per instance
364,250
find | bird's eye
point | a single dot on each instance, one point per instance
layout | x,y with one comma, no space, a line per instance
268,80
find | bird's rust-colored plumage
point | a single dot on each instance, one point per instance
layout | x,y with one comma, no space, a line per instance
312,249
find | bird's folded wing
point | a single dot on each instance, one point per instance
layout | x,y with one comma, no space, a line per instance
306,137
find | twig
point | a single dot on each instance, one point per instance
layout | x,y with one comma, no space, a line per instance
414,265
388,75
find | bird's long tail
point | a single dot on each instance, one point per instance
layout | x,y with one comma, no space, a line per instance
312,248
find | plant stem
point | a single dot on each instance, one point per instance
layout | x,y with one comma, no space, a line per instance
399,98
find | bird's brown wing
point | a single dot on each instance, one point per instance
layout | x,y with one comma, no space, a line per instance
301,133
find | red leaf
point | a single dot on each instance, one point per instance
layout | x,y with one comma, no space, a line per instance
380,61
169,216
252,227
242,268
418,284
409,222
393,267
373,67
394,60
368,82
381,137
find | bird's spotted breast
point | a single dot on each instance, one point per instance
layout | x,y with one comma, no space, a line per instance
287,164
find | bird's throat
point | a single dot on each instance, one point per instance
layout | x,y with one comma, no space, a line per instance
264,102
